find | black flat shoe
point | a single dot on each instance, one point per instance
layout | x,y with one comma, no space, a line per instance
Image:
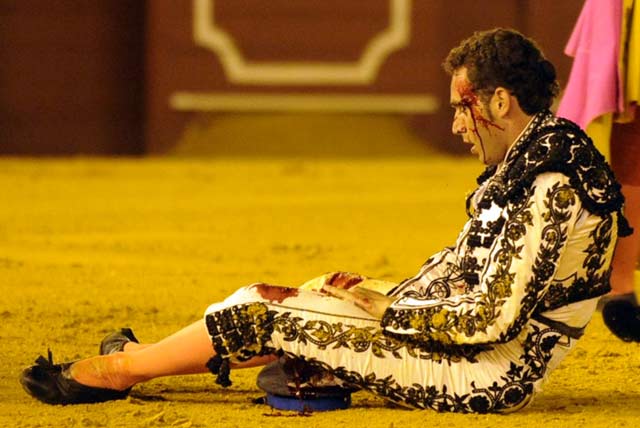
629,297
52,384
623,319
115,341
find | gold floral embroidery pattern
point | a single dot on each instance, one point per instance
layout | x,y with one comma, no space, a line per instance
511,391
243,331
594,283
339,335
438,323
559,201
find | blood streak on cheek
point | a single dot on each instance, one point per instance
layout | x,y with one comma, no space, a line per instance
274,293
487,124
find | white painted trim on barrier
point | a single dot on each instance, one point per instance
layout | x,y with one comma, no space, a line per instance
364,71
328,103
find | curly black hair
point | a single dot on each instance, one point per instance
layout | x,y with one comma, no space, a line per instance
505,58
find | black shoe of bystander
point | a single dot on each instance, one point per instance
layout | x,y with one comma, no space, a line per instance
629,297
623,319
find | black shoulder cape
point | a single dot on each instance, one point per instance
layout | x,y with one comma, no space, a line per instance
551,144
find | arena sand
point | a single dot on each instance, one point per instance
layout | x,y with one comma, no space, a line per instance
91,245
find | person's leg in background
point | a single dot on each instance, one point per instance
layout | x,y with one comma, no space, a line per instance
625,160
621,311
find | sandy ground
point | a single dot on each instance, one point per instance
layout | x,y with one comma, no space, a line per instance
91,245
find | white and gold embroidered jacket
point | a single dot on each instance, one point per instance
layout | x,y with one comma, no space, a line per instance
540,238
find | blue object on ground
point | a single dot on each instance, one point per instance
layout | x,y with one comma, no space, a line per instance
317,404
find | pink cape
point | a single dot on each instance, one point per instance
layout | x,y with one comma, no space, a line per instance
595,85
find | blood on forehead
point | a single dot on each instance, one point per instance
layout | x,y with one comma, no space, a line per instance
466,93
470,99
